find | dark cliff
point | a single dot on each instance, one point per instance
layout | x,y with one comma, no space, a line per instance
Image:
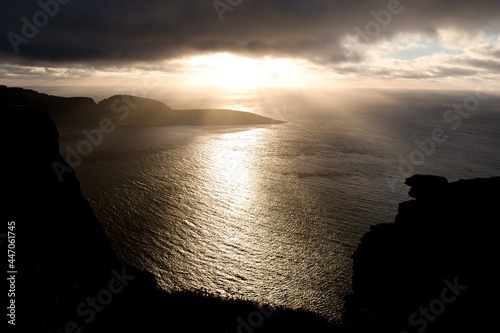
436,268
69,279
63,109
63,254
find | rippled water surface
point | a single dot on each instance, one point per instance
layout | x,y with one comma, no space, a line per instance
264,213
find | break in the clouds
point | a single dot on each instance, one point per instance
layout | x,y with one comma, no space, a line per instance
347,37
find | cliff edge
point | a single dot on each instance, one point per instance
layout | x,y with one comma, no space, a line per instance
436,268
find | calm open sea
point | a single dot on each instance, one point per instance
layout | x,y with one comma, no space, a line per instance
270,213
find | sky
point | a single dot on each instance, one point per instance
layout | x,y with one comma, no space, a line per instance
247,44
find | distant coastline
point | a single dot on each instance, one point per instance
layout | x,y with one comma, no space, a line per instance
130,110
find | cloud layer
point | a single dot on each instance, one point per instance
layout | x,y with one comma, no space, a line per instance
98,32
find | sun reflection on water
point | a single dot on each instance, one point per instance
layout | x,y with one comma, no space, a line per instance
230,167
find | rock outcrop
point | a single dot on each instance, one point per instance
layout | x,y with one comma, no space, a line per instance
62,109
436,269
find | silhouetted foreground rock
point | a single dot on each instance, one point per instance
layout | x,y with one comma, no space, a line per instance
62,109
69,279
436,269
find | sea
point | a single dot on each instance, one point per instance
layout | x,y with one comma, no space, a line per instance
273,213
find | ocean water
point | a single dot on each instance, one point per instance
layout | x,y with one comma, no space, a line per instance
271,213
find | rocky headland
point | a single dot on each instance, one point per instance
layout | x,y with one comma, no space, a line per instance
124,110
437,267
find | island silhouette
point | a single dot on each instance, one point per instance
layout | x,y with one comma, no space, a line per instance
125,110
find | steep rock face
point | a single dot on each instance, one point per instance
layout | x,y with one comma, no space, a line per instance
436,268
35,188
63,254
62,109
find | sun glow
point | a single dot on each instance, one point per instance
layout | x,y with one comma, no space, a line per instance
235,72
231,166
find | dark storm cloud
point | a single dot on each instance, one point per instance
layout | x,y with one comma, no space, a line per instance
113,31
